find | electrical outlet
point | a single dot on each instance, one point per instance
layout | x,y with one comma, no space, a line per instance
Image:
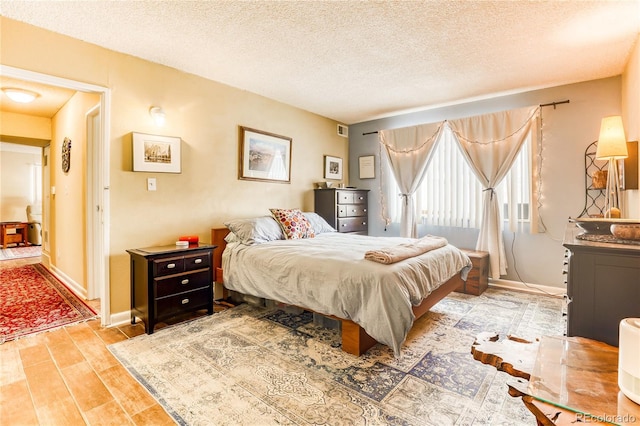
151,184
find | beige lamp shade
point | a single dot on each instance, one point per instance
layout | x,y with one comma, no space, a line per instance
612,143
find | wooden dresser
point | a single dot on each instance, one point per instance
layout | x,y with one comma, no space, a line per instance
603,286
347,210
168,281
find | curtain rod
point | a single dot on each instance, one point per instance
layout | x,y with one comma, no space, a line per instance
553,104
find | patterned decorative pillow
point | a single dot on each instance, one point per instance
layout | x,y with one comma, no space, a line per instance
293,223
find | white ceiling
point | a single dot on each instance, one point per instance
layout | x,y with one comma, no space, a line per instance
355,61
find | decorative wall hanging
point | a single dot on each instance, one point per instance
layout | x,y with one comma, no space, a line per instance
332,167
264,156
367,166
66,155
153,153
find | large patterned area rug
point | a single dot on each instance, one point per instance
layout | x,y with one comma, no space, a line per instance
258,366
20,252
33,300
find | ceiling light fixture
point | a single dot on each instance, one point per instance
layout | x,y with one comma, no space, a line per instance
20,95
158,115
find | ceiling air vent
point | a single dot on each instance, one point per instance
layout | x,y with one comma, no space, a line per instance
343,130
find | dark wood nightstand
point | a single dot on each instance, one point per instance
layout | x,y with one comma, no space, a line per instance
168,281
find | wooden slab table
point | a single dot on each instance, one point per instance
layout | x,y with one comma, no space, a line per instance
561,380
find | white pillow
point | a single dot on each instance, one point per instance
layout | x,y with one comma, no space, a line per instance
319,225
255,230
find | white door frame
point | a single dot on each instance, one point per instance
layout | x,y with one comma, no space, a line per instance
97,190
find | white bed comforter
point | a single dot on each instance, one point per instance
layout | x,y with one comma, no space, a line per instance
328,274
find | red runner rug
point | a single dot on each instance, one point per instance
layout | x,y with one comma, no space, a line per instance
33,300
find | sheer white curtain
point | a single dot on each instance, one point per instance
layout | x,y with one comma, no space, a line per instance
490,143
408,151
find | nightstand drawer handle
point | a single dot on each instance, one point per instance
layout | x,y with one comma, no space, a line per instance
185,301
185,281
198,261
171,265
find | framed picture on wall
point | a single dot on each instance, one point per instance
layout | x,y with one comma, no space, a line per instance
264,156
332,167
366,164
154,153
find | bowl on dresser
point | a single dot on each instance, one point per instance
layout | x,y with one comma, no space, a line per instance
602,226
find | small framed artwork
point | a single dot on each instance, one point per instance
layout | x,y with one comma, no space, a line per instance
264,156
367,166
332,167
153,153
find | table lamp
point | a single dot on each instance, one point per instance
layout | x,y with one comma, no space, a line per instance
612,146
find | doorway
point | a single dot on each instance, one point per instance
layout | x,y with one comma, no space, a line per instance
97,166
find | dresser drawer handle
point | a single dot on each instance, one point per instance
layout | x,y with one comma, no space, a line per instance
360,198
171,265
198,261
364,223
185,281
365,210
185,301
343,225
353,210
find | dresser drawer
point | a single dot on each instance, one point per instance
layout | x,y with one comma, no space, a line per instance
184,302
198,261
355,224
352,210
167,266
180,283
344,197
360,197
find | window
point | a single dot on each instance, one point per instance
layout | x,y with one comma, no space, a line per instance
451,195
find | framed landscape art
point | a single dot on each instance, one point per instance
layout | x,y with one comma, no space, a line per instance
264,156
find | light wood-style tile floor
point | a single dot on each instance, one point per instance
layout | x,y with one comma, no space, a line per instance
68,377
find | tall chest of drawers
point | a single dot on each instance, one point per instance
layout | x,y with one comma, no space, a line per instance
168,281
347,210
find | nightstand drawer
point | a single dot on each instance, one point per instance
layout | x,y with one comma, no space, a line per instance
355,224
180,283
183,302
168,266
352,210
202,260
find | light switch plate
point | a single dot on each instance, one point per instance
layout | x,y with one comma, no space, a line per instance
151,184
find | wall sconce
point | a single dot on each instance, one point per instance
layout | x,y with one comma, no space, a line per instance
20,95
158,115
612,146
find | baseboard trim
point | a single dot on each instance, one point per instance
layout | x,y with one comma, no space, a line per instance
76,288
121,318
528,287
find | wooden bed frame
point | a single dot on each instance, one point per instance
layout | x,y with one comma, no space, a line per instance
355,340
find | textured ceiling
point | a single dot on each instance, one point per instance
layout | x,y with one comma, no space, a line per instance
352,60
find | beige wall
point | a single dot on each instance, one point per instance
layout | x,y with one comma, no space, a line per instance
16,180
631,119
24,126
206,115
68,212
